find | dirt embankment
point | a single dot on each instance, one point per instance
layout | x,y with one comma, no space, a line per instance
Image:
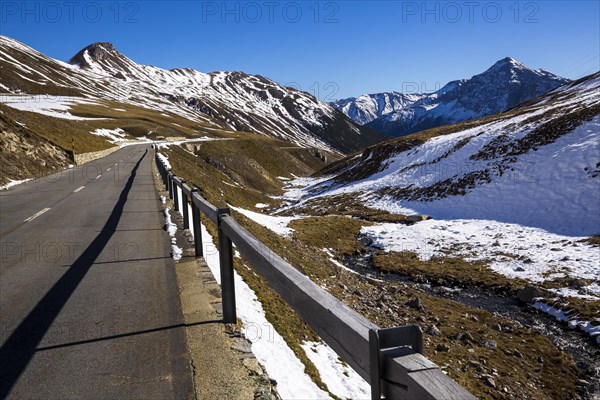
24,155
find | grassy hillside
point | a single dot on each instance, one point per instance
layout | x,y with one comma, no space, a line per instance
243,172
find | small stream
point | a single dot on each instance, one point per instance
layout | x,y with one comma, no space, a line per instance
584,350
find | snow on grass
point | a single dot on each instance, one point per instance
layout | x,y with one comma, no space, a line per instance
513,250
551,187
160,144
176,252
268,346
170,227
12,183
276,224
572,322
300,187
52,106
164,160
113,135
548,309
261,205
331,369
581,294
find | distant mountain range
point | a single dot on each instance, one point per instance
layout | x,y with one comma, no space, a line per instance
503,86
222,100
537,165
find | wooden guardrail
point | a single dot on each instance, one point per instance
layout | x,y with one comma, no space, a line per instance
390,359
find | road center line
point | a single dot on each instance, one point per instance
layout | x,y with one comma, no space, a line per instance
78,189
34,216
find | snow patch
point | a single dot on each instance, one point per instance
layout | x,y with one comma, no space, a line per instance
268,345
164,160
513,250
170,227
12,183
586,326
52,106
176,252
331,369
113,135
278,225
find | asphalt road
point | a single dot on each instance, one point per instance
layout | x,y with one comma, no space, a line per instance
89,306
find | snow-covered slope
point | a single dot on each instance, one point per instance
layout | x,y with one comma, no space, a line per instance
225,100
537,166
503,86
368,107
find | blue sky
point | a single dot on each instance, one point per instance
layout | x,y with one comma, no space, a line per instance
333,49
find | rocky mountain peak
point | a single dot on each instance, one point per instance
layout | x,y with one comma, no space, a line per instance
99,51
103,57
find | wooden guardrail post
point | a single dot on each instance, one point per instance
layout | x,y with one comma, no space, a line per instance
184,205
175,192
386,342
163,174
226,267
197,226
170,185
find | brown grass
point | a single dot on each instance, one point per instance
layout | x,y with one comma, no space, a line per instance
525,362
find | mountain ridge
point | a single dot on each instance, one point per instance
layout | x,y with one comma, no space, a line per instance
504,85
225,100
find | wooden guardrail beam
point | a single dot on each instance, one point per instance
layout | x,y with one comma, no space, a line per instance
342,328
207,209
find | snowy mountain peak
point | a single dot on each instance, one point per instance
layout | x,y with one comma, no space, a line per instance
220,100
506,84
508,62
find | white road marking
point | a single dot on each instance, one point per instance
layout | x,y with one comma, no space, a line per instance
99,176
108,169
78,189
34,216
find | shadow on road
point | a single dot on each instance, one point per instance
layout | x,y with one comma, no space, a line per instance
19,348
128,334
